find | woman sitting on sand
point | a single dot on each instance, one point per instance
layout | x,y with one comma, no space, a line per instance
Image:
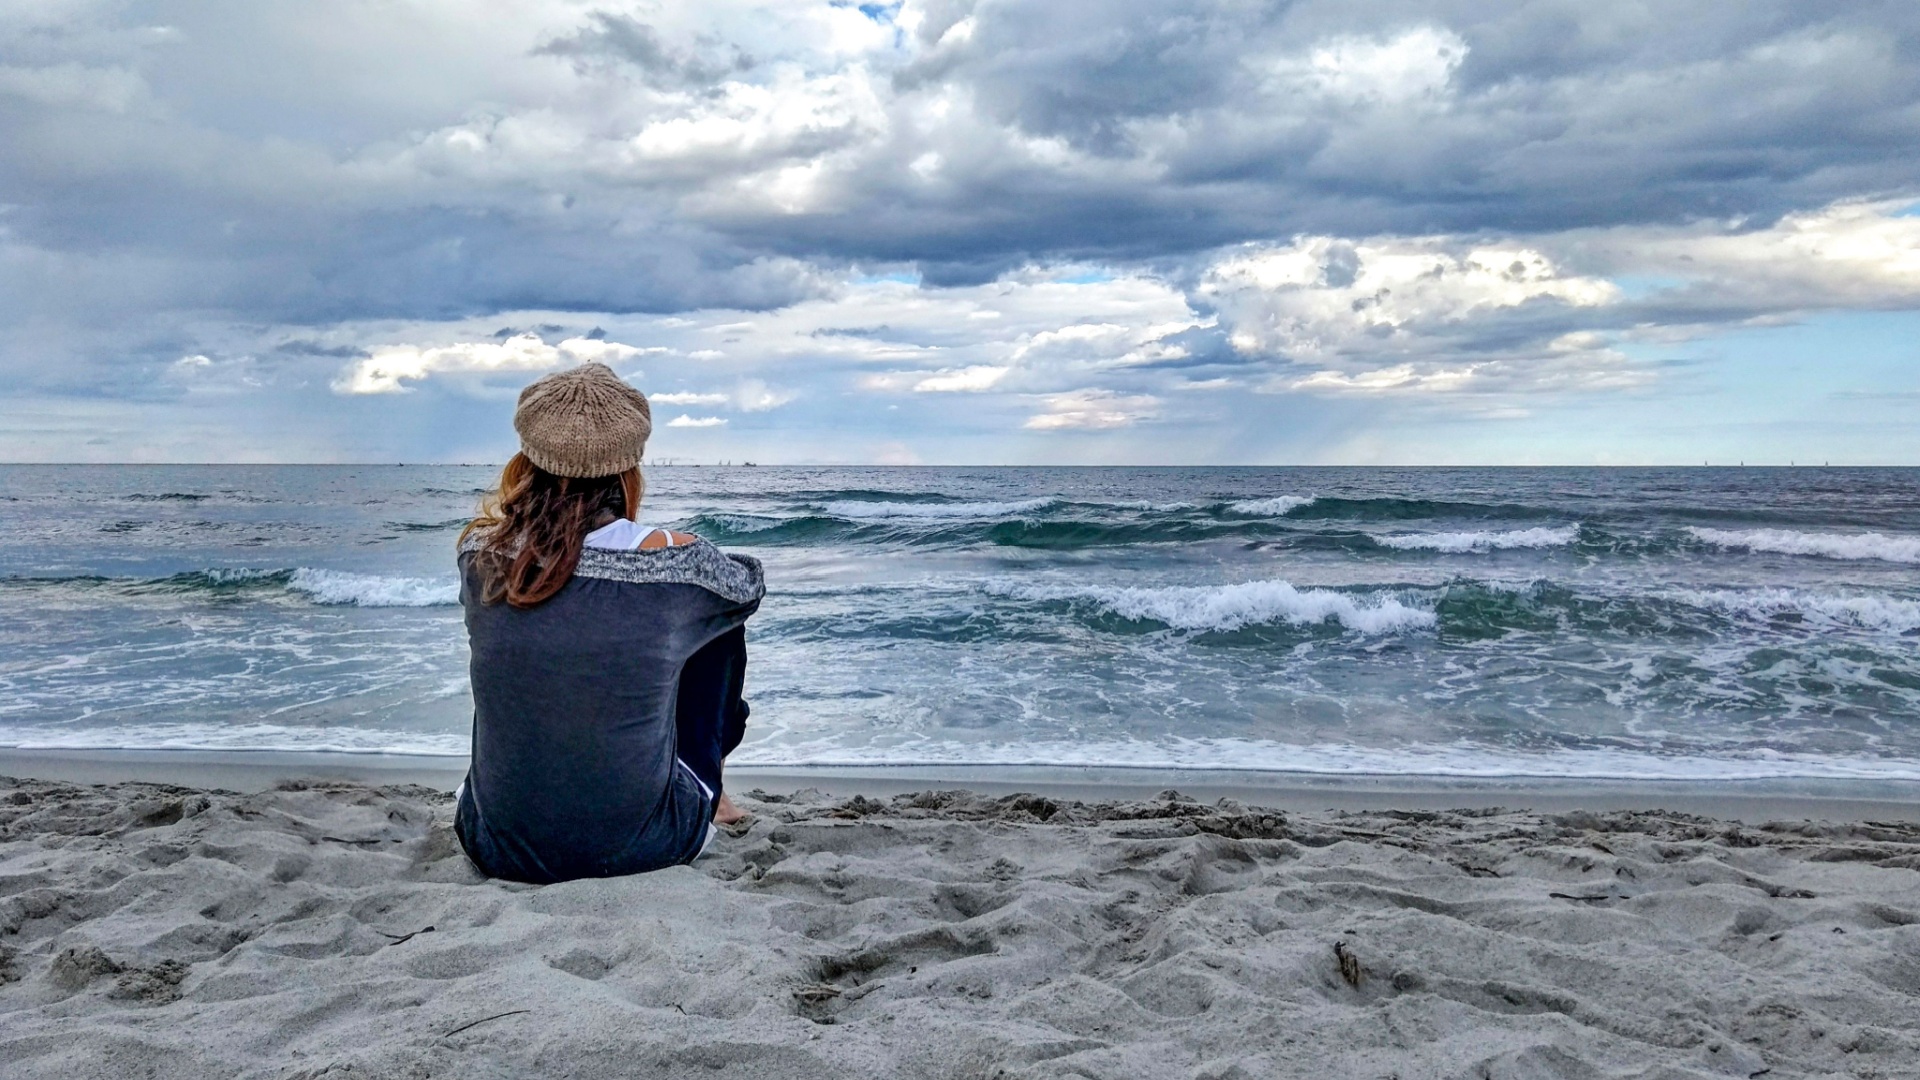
607,659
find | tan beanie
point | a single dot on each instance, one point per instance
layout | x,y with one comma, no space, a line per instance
583,421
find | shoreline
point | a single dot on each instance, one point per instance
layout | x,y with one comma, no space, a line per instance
1748,801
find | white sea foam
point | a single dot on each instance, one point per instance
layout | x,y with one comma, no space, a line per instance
749,523
1828,545
372,590
1249,603
1278,506
1456,542
250,737
1872,611
226,575
1226,754
858,510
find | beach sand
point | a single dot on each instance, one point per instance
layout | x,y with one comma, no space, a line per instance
334,929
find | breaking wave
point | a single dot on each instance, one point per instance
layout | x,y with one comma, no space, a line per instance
865,510
1826,545
1868,611
373,590
1278,506
1471,610
1232,607
329,587
1456,542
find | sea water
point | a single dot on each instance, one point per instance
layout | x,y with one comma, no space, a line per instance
1636,623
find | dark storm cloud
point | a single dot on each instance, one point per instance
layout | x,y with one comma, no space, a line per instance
1555,116
1189,125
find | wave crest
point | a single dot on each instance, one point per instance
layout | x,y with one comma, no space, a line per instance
372,590
1457,542
1862,610
1826,545
1277,506
316,586
864,510
1249,603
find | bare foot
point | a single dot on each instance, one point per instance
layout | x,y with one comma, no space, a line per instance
726,813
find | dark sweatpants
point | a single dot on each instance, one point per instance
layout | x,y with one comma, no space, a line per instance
710,716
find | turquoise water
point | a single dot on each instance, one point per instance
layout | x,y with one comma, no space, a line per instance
1686,623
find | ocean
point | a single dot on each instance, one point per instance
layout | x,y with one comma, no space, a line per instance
1694,624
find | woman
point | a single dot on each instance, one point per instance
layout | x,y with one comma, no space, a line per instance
607,659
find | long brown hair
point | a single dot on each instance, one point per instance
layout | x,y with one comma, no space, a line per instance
534,524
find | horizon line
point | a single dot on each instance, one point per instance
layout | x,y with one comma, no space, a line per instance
961,465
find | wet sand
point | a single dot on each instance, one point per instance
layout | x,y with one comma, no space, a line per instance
1752,802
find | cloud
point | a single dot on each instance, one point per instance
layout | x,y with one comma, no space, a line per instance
811,208
1410,67
1322,297
961,380
391,367
685,421
1398,377
677,398
1443,314
1093,409
752,395
748,140
75,86
1858,254
1398,313
613,38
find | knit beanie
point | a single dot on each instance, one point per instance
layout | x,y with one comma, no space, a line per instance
583,422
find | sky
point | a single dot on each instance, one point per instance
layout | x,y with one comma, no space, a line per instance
966,231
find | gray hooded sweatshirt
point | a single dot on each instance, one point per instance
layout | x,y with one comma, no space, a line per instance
574,770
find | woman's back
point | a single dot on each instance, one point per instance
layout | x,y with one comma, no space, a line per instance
575,770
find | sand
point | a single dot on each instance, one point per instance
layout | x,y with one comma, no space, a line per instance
334,929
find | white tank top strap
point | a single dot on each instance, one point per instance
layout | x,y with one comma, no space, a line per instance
625,535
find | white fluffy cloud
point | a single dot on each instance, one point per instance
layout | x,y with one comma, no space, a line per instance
956,380
391,367
1854,254
1322,298
675,398
751,395
1426,315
